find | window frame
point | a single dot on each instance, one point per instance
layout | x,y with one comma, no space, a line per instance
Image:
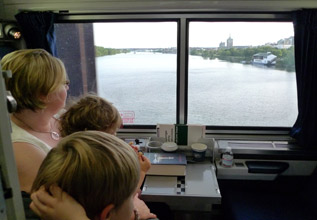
183,20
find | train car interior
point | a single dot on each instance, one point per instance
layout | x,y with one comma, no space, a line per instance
229,84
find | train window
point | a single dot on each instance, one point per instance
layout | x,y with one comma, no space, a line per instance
131,64
242,74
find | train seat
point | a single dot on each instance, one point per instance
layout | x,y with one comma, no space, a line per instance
286,198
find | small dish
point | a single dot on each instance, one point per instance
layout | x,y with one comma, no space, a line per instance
169,146
153,145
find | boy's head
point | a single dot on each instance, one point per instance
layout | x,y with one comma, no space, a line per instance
90,113
97,169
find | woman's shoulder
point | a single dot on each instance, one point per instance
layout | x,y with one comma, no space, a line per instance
20,135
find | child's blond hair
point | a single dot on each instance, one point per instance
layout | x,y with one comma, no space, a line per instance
90,112
95,168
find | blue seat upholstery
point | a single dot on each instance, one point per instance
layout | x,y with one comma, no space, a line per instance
287,198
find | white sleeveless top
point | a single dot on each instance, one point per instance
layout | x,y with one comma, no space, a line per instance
21,135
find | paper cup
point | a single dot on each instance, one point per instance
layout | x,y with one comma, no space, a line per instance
199,151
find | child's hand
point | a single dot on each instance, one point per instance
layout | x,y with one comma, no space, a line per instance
57,206
141,207
134,147
145,163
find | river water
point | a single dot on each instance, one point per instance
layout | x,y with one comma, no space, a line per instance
143,87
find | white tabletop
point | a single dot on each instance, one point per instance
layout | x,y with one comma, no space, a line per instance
200,189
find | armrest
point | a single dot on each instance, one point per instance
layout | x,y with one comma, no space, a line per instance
268,167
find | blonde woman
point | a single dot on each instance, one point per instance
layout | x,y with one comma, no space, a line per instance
98,170
39,84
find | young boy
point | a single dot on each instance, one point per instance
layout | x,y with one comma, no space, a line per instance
89,166
92,112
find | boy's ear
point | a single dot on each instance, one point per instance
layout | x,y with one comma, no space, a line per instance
106,212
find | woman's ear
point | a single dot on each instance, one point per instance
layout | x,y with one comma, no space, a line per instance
106,212
45,98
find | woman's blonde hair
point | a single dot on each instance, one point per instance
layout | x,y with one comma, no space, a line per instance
35,73
95,168
90,113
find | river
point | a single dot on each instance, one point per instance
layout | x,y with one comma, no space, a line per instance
143,87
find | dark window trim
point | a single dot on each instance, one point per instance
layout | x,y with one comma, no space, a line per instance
63,16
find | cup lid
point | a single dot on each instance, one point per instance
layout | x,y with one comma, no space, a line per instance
169,146
154,144
199,147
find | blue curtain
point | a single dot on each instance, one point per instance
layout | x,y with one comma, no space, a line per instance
38,30
305,36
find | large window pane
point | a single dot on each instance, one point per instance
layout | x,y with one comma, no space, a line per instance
134,66
242,74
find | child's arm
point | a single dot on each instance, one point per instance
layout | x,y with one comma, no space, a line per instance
145,165
135,148
57,206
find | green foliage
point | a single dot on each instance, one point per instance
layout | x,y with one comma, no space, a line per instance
205,53
101,51
287,60
285,57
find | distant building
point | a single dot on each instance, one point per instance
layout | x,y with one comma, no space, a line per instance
229,42
222,45
285,43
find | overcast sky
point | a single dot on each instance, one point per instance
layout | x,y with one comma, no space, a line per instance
202,34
